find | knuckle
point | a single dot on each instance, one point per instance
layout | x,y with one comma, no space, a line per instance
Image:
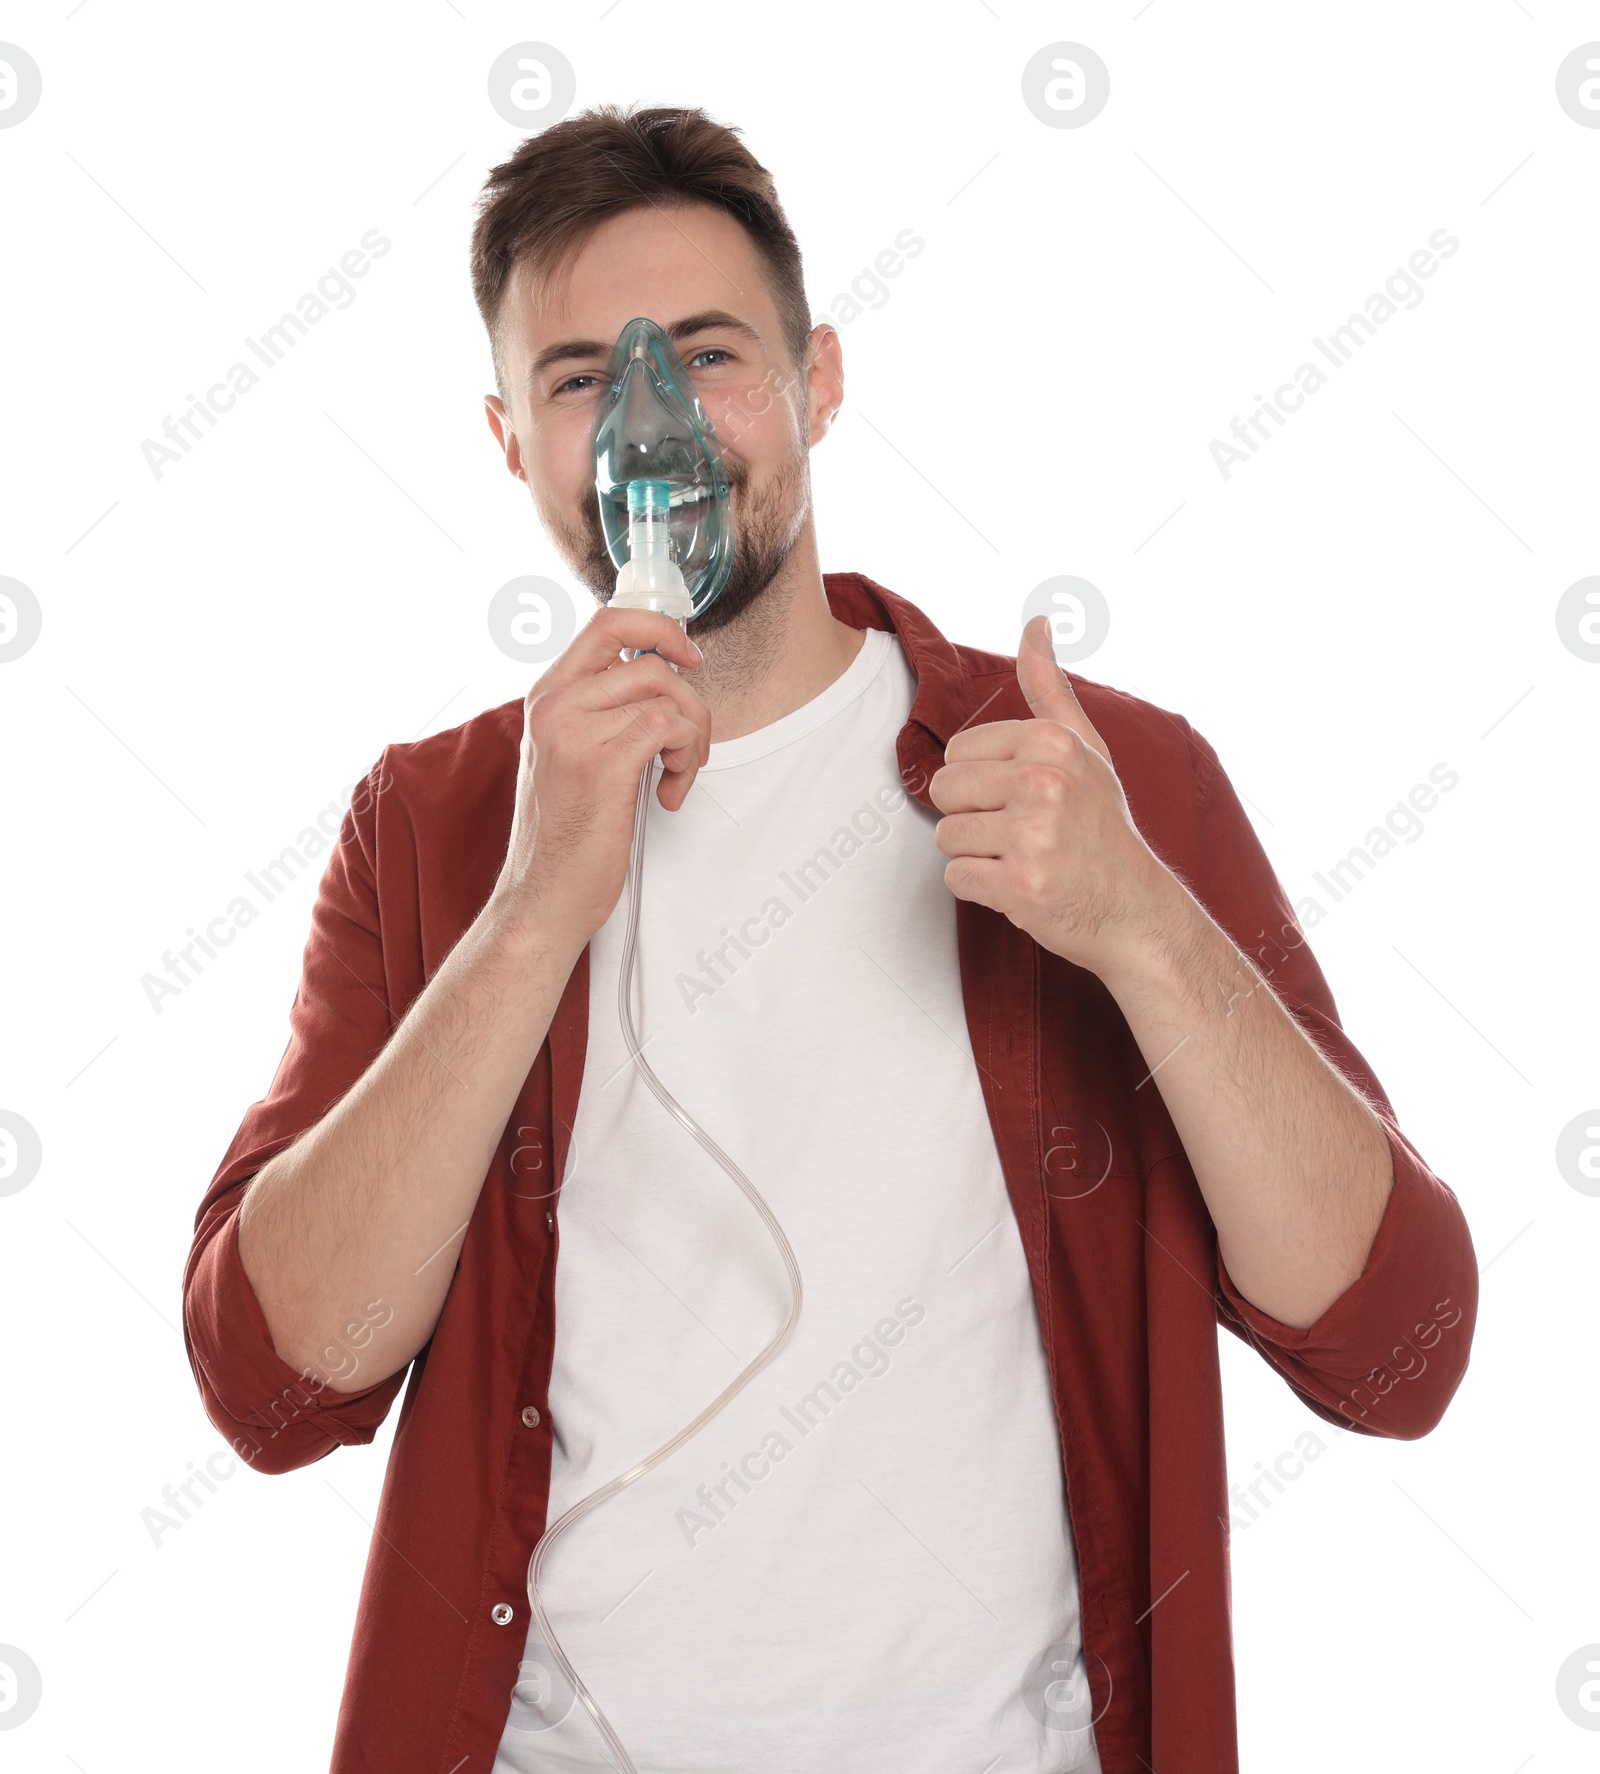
546,716
651,668
1030,880
1042,782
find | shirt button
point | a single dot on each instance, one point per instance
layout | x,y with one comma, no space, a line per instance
530,1415
549,1222
501,1613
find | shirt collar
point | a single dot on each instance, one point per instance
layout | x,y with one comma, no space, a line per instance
946,698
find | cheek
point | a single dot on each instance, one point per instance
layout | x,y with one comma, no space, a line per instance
755,419
558,460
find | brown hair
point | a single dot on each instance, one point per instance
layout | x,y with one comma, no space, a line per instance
543,203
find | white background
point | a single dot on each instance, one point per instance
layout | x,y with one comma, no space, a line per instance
229,646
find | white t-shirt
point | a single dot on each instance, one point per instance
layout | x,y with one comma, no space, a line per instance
865,1563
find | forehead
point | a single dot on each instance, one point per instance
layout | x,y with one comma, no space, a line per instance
662,263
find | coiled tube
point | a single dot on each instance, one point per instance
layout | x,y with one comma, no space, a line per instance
681,1115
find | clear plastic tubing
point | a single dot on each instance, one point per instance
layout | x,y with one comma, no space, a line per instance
685,1120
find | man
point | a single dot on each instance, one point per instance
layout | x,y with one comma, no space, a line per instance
980,973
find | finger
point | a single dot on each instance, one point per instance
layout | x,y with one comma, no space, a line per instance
673,788
1039,741
637,681
995,739
621,679
975,878
972,835
975,788
608,631
678,732
657,725
1048,689
682,761
597,711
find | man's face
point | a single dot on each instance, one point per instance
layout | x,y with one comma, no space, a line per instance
697,274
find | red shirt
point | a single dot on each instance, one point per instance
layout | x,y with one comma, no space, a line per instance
1120,1247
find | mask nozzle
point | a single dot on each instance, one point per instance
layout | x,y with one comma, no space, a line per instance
649,506
650,578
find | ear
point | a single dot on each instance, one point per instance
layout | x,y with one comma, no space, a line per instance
500,425
824,379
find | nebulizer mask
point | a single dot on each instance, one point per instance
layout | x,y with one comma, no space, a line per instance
667,518
660,480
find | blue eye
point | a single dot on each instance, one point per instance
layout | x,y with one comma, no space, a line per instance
710,351
571,384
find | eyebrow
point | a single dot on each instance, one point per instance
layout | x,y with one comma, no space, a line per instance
707,320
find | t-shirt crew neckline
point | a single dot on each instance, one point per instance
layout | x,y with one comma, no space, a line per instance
850,683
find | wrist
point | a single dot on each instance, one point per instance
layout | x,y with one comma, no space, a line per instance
1170,948
526,924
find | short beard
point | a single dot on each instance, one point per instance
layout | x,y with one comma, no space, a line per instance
766,527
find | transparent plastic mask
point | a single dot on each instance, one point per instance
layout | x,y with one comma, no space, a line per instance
650,426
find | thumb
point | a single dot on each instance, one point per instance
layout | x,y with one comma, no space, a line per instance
1047,689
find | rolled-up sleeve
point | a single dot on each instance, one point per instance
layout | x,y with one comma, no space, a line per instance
274,1416
1388,1355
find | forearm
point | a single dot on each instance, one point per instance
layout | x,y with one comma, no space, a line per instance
359,1222
1293,1164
